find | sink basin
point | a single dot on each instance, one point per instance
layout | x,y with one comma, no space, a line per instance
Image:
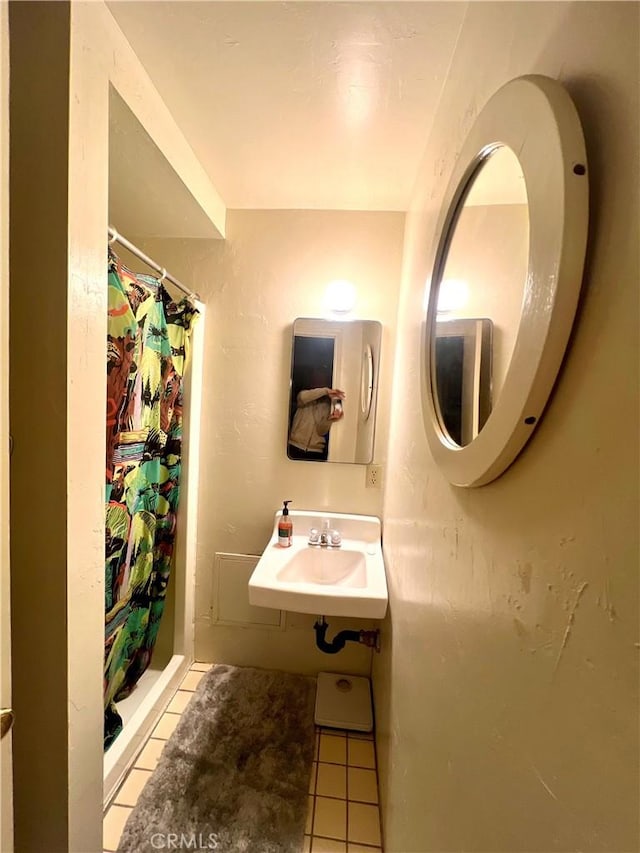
345,581
322,566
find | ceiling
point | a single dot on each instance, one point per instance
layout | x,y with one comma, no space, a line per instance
311,105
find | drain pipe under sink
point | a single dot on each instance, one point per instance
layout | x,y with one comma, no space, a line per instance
367,638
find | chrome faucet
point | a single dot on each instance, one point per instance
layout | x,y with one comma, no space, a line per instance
327,538
324,536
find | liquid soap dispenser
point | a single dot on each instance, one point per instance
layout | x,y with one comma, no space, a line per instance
285,528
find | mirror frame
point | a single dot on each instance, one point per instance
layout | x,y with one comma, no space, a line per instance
536,118
366,382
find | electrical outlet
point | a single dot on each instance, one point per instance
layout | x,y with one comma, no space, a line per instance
374,476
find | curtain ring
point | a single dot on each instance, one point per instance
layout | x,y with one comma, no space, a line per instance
163,275
115,236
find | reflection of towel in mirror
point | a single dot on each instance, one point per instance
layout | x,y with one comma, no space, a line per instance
311,421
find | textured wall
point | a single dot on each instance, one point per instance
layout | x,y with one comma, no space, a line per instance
6,799
39,123
272,268
506,698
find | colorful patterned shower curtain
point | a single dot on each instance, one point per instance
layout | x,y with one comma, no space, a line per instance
147,349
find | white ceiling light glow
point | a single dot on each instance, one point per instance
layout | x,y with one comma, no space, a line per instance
340,296
453,295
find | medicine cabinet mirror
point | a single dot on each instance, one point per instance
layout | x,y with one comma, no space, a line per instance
507,271
333,390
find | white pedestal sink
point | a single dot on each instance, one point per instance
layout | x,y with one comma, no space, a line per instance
345,581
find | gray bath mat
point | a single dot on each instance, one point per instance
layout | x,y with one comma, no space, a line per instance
234,775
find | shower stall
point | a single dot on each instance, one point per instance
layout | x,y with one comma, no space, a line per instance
143,196
173,650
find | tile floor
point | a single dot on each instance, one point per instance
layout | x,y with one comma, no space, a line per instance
343,815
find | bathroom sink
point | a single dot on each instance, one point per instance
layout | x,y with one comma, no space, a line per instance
343,567
345,581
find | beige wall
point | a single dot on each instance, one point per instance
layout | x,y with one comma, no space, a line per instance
38,393
6,789
506,692
490,252
272,268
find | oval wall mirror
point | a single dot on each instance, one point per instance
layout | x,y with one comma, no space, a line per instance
506,278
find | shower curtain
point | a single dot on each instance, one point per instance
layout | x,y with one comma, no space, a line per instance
148,339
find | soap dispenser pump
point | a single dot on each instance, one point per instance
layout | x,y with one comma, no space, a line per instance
285,527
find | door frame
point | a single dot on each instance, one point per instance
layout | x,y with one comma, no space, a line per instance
6,769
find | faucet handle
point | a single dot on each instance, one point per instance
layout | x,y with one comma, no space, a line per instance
335,537
314,536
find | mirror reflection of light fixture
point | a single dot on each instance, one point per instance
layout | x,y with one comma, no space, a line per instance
340,296
453,295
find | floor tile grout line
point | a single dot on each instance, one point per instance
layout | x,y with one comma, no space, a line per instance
375,762
316,744
375,758
313,804
350,800
315,789
346,773
124,781
313,814
359,843
332,838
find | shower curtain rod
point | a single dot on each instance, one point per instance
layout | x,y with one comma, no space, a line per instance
115,237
